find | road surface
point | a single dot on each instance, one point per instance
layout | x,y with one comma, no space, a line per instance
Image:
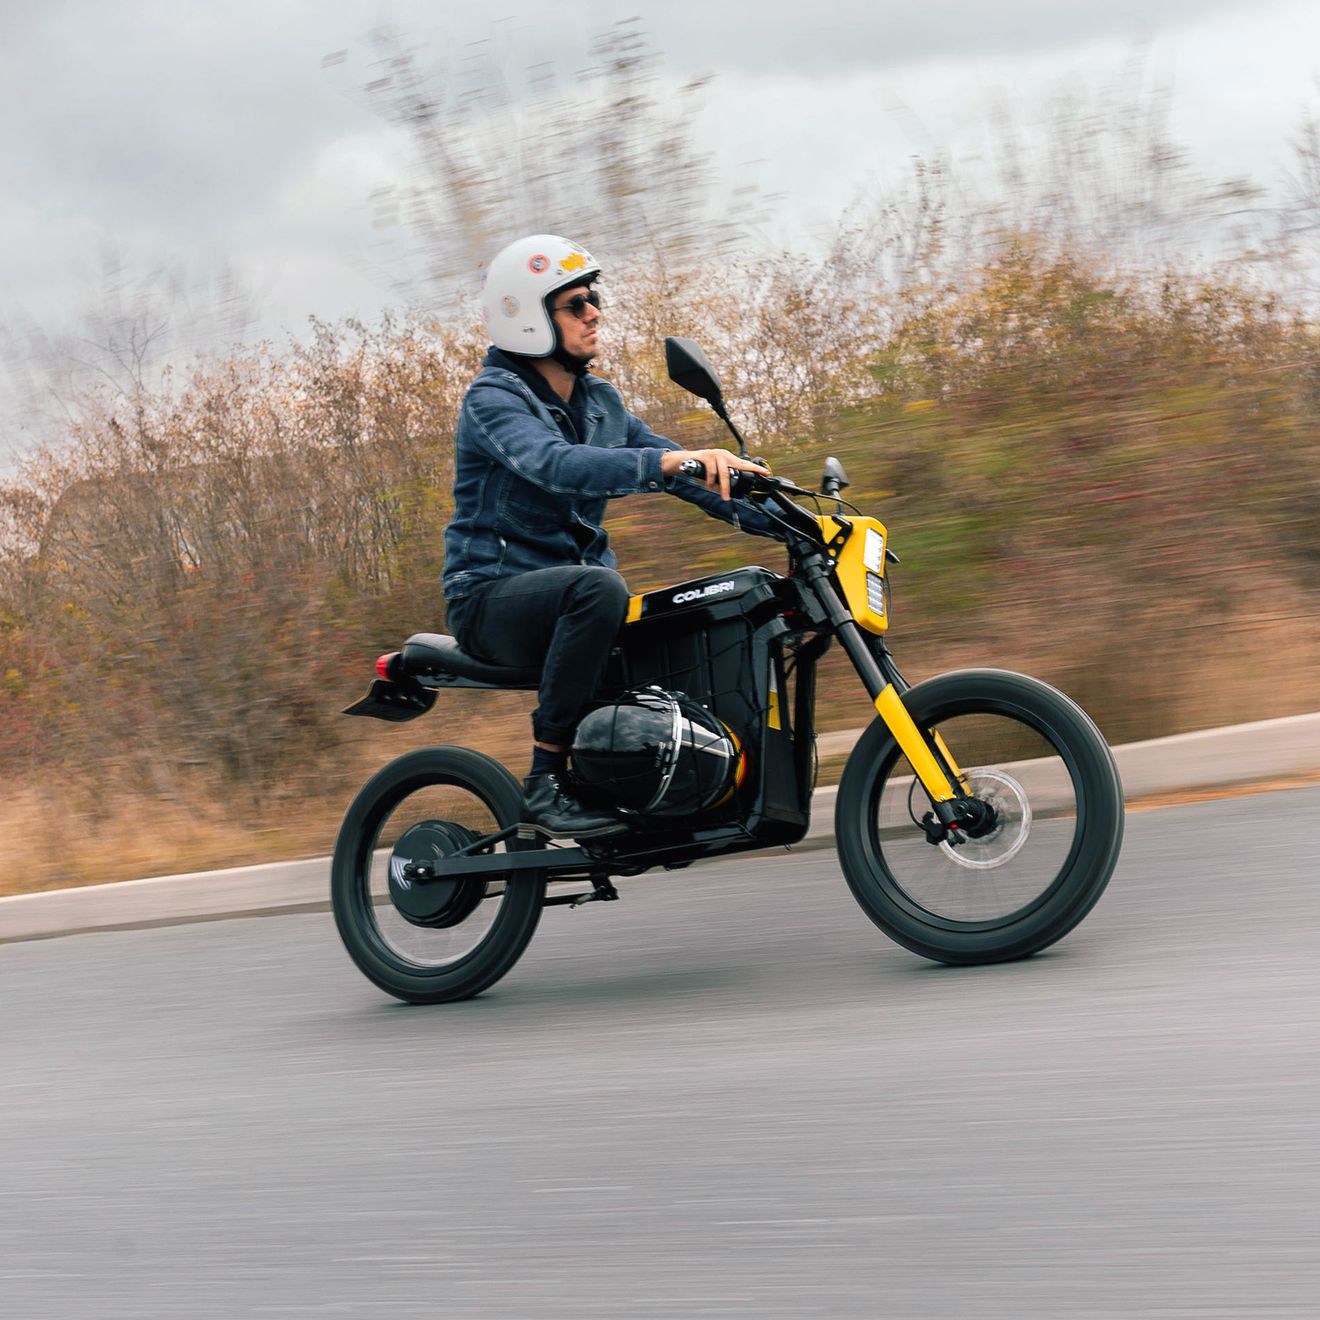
725,1095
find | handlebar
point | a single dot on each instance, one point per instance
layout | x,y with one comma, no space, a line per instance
770,491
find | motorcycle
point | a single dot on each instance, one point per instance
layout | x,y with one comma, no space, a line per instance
978,819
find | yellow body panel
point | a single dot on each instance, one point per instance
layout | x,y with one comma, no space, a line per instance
851,572
773,719
634,609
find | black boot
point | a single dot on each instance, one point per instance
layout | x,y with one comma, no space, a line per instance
550,809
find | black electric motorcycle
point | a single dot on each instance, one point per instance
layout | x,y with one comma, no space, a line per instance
978,819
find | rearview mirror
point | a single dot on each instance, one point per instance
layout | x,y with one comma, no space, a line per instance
834,479
689,368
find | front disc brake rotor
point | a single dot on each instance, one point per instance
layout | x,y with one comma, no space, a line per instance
1012,821
426,902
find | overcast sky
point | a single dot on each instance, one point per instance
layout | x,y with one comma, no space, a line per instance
204,134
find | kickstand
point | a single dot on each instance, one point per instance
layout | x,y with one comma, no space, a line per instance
602,891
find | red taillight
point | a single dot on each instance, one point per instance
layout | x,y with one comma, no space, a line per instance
383,664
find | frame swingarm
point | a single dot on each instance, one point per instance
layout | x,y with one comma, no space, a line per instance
476,861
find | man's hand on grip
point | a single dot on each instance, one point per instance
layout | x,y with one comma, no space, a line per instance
717,464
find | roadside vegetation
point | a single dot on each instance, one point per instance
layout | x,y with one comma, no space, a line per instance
1099,463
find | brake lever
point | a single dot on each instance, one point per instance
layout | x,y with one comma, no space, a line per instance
781,484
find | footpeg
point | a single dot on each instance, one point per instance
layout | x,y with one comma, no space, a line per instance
601,892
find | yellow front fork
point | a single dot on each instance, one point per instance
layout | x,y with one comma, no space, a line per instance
933,779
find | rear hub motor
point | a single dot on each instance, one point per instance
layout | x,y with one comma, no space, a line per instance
419,896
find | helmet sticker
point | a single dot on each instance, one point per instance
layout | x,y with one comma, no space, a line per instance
574,261
510,305
539,264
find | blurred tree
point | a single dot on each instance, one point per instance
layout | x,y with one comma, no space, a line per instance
608,155
142,323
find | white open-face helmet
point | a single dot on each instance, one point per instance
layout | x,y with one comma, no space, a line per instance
517,283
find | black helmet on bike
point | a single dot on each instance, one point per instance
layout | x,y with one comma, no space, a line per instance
657,753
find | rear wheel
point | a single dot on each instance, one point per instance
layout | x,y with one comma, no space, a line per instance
1044,859
424,940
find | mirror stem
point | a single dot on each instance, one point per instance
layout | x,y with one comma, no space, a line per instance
722,413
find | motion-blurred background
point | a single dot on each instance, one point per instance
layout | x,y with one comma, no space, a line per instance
1044,277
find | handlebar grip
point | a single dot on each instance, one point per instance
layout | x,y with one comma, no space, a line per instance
740,482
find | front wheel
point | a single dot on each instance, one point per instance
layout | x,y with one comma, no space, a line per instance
427,941
1057,822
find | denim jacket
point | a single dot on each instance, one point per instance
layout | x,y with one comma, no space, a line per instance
526,497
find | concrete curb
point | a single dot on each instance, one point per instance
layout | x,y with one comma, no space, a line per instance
1211,759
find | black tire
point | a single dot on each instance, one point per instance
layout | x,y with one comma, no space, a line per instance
472,945
1023,742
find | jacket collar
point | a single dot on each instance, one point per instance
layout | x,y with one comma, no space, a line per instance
576,428
537,383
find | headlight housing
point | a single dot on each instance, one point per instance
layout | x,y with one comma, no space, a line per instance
873,551
875,593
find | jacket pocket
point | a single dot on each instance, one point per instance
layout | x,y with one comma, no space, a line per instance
529,510
601,435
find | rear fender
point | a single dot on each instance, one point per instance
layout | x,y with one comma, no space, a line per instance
395,701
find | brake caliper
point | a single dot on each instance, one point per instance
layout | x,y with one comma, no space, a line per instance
956,821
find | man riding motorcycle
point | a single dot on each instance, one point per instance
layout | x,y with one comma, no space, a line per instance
541,445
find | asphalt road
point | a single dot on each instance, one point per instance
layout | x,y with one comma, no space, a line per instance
725,1095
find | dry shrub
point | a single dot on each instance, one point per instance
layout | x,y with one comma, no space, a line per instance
1102,482
188,576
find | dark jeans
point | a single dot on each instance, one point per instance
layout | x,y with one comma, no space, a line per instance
564,618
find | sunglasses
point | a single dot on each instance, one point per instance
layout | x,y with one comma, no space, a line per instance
577,305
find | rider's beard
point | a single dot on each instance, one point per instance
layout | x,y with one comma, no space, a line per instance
575,363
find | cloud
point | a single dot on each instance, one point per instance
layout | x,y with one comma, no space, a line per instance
183,132
848,36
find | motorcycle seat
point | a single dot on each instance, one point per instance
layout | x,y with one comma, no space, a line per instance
438,657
